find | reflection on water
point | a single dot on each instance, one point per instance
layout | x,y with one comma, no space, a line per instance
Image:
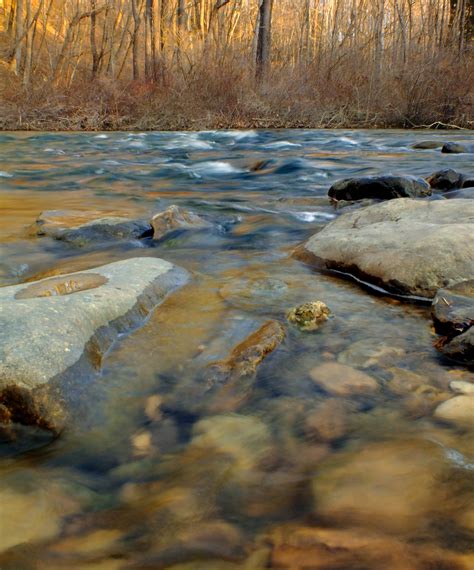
148,475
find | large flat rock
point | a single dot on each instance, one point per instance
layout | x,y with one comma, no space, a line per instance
407,247
62,326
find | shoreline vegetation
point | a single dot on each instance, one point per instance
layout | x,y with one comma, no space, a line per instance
175,65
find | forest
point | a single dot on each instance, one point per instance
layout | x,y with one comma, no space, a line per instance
193,64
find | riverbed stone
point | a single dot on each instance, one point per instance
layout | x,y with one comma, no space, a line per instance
309,316
453,148
341,380
379,187
453,317
458,411
407,247
327,422
82,229
57,329
448,179
225,385
427,145
299,547
390,486
462,387
175,219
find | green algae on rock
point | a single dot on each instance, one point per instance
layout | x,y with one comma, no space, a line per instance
309,316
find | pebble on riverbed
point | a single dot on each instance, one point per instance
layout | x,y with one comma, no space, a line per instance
309,316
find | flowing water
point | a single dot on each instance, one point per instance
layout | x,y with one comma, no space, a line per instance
143,479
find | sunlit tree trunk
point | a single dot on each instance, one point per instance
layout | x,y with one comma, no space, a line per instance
18,36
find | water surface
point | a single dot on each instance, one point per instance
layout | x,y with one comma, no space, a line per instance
143,479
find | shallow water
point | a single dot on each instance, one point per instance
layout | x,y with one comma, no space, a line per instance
143,477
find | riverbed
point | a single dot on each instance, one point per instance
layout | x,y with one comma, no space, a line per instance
139,479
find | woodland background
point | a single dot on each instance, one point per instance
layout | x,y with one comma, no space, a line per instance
198,64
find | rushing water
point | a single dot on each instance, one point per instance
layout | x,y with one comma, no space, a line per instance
135,481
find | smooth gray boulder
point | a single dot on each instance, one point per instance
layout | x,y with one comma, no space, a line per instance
379,188
82,229
406,247
59,328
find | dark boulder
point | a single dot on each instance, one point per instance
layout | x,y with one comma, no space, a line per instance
453,317
379,187
447,179
453,148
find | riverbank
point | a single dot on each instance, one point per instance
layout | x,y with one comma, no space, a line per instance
443,100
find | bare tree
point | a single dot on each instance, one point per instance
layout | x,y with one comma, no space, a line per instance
264,37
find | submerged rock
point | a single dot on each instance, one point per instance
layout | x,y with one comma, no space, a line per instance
453,148
425,145
448,179
390,486
251,485
453,317
379,187
301,547
462,387
175,218
255,294
327,422
55,329
78,229
458,411
230,381
309,316
406,247
341,380
227,384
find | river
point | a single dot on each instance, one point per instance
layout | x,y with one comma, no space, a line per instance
134,482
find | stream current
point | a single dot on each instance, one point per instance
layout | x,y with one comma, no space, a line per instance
139,480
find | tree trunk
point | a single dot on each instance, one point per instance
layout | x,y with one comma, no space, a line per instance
264,38
95,55
18,36
135,46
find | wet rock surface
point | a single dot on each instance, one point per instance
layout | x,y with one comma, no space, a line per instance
342,380
225,385
176,219
427,145
53,326
380,188
453,317
449,179
309,316
429,245
454,148
348,491
81,229
458,411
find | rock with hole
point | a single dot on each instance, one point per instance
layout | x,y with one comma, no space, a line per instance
58,329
